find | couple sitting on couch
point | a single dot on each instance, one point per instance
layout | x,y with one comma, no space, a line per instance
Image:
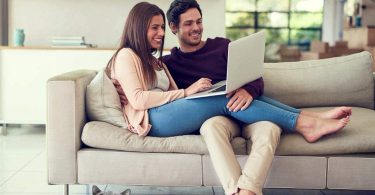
154,106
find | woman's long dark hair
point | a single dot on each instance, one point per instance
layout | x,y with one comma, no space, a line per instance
135,37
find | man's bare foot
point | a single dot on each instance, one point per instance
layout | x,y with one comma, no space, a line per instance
312,129
335,113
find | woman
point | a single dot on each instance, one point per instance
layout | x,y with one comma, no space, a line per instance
153,104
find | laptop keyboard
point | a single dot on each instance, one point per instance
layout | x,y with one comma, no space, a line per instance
222,88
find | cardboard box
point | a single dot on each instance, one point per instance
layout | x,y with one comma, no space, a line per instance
354,50
319,47
315,56
290,53
368,13
337,51
372,51
371,36
341,44
360,37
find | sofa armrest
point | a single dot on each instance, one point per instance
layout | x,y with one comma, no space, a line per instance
65,120
373,76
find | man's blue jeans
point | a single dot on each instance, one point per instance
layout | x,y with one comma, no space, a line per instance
183,116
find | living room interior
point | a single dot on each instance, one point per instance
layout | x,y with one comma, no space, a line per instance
41,40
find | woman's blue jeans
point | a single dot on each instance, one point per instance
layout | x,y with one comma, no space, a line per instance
183,116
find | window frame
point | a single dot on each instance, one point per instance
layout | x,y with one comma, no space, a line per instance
258,27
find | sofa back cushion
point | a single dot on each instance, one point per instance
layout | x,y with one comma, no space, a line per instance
336,81
103,101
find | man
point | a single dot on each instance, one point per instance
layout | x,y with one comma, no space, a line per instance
196,59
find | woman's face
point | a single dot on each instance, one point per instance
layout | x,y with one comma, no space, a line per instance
155,31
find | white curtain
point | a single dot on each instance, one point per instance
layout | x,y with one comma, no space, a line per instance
333,21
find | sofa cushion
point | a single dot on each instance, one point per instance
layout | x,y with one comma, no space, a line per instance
357,137
104,135
337,81
103,102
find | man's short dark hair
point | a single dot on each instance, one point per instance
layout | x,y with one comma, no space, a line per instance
179,7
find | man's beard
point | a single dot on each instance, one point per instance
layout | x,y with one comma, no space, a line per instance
191,43
187,41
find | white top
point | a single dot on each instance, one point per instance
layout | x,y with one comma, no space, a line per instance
162,81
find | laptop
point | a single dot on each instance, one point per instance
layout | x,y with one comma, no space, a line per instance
245,64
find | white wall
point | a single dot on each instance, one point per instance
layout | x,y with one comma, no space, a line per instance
24,101
100,21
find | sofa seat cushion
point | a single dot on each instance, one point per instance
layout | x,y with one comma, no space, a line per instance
357,137
106,136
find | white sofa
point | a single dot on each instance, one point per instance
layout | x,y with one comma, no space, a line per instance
86,152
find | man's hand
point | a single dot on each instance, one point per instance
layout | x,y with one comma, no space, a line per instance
240,100
200,85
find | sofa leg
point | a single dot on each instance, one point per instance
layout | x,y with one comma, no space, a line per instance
66,189
3,129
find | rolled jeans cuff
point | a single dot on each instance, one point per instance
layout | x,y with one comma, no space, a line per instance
245,184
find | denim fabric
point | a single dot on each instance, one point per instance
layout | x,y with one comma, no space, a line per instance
278,104
184,116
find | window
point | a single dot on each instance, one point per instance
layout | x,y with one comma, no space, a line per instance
292,22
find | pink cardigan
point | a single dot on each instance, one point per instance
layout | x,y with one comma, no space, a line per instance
129,81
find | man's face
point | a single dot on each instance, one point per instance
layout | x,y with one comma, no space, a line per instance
190,29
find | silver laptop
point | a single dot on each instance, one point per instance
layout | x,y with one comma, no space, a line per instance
245,64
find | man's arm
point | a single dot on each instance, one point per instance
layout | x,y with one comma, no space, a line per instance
255,88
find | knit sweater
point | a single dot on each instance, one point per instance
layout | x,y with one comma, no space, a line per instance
210,61
136,99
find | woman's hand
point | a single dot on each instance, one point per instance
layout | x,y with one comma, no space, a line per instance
200,85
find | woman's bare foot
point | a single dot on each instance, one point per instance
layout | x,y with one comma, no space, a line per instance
313,128
335,113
